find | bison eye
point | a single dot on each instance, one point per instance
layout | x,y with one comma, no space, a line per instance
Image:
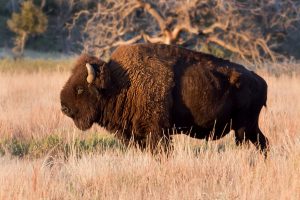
79,90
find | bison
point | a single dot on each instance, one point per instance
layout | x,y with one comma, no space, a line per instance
146,90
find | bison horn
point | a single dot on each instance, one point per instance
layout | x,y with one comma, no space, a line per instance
91,73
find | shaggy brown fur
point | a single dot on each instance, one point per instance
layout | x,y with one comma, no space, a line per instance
145,90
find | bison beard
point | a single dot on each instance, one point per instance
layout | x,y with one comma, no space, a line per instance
145,90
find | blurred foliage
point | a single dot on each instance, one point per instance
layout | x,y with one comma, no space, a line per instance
215,50
30,21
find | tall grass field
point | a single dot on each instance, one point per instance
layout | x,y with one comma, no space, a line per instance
44,156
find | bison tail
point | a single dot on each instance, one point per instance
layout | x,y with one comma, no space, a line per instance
265,94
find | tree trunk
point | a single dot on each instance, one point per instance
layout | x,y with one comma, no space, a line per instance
24,37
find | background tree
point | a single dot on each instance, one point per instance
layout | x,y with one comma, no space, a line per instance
30,21
249,30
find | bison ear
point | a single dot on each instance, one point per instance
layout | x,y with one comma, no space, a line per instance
102,80
98,75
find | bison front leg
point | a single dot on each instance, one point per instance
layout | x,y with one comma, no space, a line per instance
157,141
150,137
240,136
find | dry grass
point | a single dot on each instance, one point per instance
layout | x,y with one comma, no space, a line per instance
29,109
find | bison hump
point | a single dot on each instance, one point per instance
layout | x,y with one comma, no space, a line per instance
154,78
152,82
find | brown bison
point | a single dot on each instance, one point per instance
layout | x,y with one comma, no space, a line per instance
147,90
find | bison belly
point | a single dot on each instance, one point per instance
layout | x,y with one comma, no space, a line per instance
202,103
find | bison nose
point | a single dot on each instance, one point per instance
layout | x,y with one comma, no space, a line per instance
66,110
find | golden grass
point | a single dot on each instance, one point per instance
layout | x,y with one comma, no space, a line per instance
30,108
35,65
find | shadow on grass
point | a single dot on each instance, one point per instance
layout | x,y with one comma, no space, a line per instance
57,146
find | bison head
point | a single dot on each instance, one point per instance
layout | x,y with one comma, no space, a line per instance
83,93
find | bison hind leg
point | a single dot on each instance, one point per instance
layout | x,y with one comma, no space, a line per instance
259,140
249,131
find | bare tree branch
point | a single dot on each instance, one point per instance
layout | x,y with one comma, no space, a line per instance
155,13
212,28
247,29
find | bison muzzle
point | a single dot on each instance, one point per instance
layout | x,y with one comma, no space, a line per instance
145,90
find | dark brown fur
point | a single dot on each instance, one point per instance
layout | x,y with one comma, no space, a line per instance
147,89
